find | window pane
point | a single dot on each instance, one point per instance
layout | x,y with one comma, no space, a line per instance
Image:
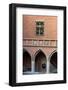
37,32
41,31
39,28
42,23
39,23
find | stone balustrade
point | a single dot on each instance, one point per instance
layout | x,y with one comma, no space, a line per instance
33,42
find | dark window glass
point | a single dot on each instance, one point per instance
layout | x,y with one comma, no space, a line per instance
39,28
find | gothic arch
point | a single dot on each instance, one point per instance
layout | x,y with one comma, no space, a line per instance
52,54
40,61
53,62
39,50
26,51
26,61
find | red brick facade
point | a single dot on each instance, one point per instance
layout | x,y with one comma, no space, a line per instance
34,44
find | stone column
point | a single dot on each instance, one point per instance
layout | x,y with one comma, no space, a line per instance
33,65
48,65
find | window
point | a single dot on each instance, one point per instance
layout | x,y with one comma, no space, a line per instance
39,28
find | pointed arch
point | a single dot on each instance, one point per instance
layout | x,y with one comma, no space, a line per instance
53,62
38,52
40,61
26,61
25,50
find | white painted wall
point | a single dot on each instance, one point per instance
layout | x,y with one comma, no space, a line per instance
4,44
